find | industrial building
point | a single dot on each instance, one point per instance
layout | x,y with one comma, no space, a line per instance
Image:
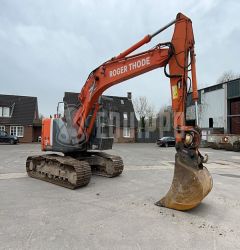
219,107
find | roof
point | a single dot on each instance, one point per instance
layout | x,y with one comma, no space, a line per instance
23,109
71,98
119,104
114,103
218,85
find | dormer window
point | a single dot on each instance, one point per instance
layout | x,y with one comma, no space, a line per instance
4,112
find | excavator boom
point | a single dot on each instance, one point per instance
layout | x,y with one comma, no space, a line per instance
191,181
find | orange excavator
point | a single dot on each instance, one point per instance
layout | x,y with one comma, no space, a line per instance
75,135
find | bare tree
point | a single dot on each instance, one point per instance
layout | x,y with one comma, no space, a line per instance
227,76
150,112
143,109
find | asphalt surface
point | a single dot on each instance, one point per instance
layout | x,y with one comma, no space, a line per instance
117,213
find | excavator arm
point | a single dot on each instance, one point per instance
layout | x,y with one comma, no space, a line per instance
111,73
178,54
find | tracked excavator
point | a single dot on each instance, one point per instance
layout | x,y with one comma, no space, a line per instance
75,135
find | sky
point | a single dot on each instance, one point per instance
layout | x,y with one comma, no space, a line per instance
49,47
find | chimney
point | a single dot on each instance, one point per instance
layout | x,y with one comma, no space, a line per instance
129,95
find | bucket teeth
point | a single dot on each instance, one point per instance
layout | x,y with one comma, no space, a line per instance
189,186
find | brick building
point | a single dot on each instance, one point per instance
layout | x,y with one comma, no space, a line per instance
115,111
19,116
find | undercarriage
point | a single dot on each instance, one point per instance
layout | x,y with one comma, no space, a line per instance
73,171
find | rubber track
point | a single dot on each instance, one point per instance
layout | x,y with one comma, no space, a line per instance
115,161
82,169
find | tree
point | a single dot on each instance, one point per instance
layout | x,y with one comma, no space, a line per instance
143,109
228,76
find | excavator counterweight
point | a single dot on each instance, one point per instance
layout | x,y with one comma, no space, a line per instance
74,136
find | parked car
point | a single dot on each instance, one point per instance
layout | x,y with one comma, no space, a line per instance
166,141
6,138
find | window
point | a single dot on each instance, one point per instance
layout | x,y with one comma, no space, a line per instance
111,116
125,116
210,122
4,112
16,130
126,132
122,101
2,128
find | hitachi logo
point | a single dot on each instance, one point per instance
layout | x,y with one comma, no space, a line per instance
131,66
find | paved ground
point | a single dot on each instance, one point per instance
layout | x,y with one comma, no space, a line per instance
117,213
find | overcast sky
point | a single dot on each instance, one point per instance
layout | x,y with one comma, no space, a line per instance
48,47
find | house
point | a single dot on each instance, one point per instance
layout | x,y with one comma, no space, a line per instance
19,116
116,112
219,107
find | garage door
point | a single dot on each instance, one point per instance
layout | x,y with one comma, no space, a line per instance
235,116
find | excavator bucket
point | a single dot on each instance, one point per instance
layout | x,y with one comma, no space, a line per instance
189,186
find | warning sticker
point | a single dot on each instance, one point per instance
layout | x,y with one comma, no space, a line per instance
174,92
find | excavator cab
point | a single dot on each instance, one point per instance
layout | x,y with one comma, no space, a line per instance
58,132
60,135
